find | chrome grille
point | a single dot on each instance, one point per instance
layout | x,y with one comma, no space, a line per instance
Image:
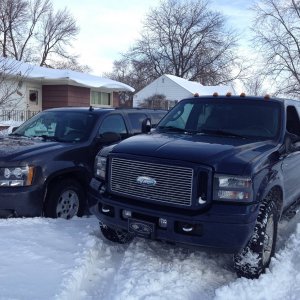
173,184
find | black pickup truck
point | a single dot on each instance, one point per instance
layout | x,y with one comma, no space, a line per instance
217,172
47,163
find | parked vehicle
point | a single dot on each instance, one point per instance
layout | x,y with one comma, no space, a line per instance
47,163
217,172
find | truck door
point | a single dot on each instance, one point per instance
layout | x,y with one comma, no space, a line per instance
291,162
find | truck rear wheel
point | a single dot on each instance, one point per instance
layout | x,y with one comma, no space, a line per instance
120,236
65,199
256,256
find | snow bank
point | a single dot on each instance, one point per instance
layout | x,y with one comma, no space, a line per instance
36,255
56,259
281,281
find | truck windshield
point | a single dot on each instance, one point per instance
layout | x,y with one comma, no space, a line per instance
63,126
246,118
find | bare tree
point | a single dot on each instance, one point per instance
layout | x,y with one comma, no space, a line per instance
11,79
186,39
132,72
31,31
277,37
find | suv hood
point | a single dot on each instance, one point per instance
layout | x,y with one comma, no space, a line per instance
16,148
225,154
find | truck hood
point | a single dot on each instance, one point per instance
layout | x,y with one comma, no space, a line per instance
18,148
225,154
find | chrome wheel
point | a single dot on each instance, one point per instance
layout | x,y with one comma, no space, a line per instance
268,240
255,257
67,205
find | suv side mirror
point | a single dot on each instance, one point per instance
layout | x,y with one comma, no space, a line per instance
146,125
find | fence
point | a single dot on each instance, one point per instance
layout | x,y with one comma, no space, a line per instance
16,115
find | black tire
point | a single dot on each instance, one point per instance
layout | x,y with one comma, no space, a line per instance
65,199
256,256
119,236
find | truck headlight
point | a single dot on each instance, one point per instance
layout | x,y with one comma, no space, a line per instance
16,176
235,188
100,167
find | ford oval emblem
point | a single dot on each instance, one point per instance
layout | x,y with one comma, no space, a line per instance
145,180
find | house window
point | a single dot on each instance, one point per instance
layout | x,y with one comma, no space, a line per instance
100,98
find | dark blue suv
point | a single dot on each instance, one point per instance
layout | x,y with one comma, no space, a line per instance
217,172
47,163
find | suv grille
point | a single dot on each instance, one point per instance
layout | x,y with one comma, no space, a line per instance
151,181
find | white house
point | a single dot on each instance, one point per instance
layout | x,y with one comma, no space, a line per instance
176,88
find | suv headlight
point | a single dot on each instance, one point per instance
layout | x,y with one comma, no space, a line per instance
232,188
16,176
100,167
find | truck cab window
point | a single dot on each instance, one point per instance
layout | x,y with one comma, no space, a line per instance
292,121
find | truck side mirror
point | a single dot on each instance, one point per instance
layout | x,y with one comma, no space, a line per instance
146,125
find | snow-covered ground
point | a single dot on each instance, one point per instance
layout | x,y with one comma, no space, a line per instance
58,259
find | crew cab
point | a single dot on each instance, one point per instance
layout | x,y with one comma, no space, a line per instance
47,163
217,172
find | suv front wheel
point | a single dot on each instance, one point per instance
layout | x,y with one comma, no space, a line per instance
65,199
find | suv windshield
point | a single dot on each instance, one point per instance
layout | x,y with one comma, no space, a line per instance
234,118
63,126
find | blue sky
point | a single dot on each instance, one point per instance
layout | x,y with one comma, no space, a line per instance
108,27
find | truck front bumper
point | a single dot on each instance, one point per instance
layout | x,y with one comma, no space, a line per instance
224,227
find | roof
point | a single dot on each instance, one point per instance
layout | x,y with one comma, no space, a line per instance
265,98
191,86
48,76
196,87
101,110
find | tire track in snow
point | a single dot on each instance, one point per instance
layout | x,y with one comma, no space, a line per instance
144,269
95,271
153,270
147,269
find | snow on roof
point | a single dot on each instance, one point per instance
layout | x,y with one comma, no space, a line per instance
47,75
196,87
191,86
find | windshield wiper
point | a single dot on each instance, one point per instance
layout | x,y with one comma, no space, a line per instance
222,132
16,134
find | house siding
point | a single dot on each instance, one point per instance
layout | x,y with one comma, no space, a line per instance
116,99
64,95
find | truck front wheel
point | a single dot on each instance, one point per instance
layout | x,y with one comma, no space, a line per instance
256,256
65,199
116,235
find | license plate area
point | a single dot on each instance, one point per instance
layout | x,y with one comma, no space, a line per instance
141,228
